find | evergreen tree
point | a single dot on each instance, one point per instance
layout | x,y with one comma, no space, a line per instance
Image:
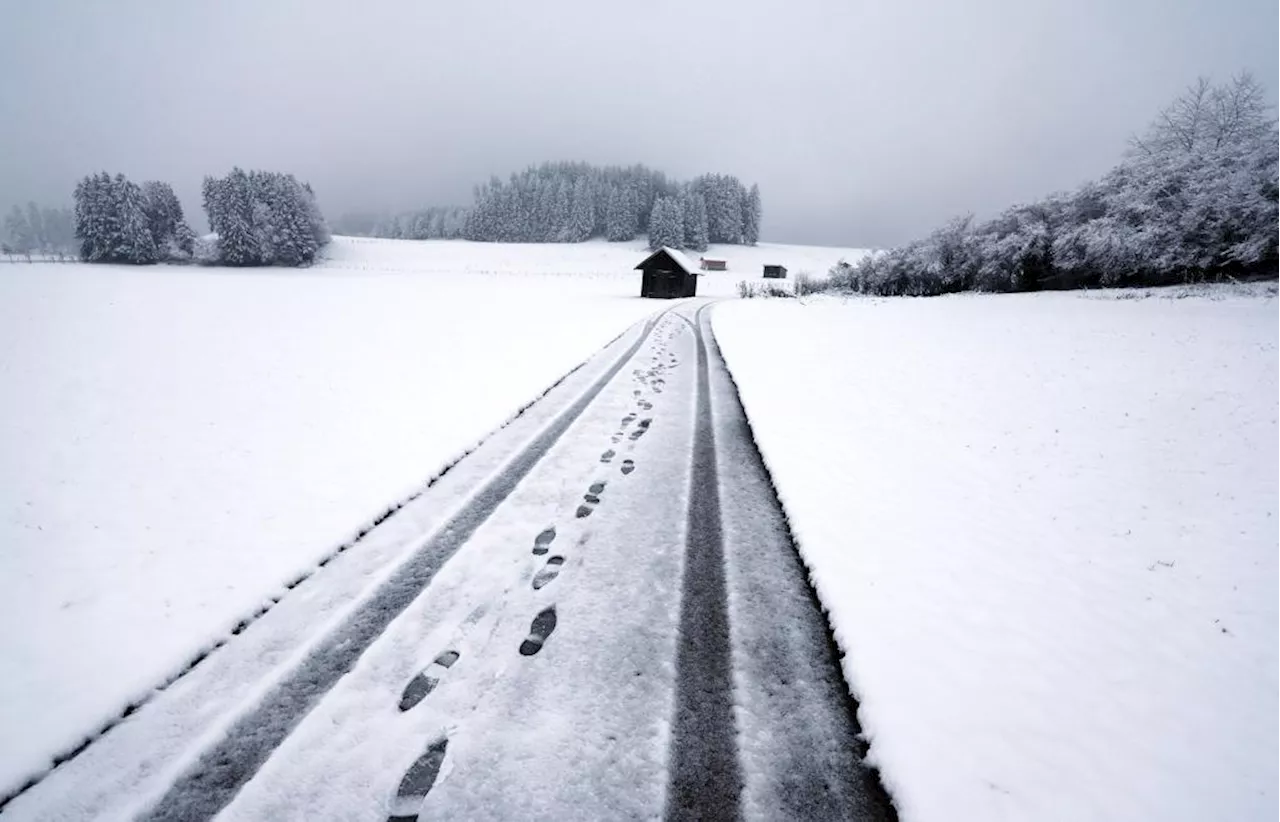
35,227
571,202
110,221
264,218
582,217
237,243
751,216
18,236
169,230
666,224
619,225
695,222
135,245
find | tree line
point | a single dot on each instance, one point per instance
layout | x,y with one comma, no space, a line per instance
264,218
258,218
1194,198
573,202
37,230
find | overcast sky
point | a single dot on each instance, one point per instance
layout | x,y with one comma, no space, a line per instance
865,122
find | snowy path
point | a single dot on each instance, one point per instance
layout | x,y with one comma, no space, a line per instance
597,615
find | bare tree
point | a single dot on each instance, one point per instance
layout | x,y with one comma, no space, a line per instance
1207,117
1240,110
1181,124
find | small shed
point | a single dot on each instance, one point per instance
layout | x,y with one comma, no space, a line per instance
667,274
775,272
713,263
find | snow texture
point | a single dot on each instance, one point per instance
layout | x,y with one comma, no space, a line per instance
183,442
1044,527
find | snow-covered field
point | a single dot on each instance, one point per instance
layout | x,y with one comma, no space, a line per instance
179,443
1045,527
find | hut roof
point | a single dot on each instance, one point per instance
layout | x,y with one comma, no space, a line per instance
679,258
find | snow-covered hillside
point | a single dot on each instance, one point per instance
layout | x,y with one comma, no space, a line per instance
179,442
1045,528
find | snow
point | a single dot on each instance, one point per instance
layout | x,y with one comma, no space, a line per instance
528,737
135,763
675,254
181,442
1044,527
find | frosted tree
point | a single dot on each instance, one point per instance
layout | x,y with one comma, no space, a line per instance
619,222
96,224
560,202
1195,198
695,221
582,217
111,222
1206,117
666,224
35,225
169,229
724,196
18,235
135,244
232,220
751,216
59,230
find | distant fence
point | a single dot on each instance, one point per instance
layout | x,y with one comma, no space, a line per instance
40,257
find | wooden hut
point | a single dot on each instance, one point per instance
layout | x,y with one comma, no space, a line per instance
775,272
713,263
666,274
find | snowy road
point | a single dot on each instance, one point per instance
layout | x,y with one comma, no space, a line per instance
598,614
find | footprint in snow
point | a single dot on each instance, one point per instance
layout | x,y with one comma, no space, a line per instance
641,428
542,541
427,680
628,466
608,456
591,500
543,624
417,781
549,572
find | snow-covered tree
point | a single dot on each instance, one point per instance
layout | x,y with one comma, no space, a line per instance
666,224
264,218
18,237
1196,198
169,229
582,216
619,221
695,221
559,202
751,216
111,221
135,244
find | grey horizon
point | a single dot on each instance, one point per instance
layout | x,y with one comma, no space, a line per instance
865,124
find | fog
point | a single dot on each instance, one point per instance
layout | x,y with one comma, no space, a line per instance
864,123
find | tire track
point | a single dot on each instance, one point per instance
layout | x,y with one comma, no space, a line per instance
801,744
705,781
207,785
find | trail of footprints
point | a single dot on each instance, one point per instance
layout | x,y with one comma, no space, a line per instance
421,775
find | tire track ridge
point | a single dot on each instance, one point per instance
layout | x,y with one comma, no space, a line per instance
705,780
204,788
875,801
